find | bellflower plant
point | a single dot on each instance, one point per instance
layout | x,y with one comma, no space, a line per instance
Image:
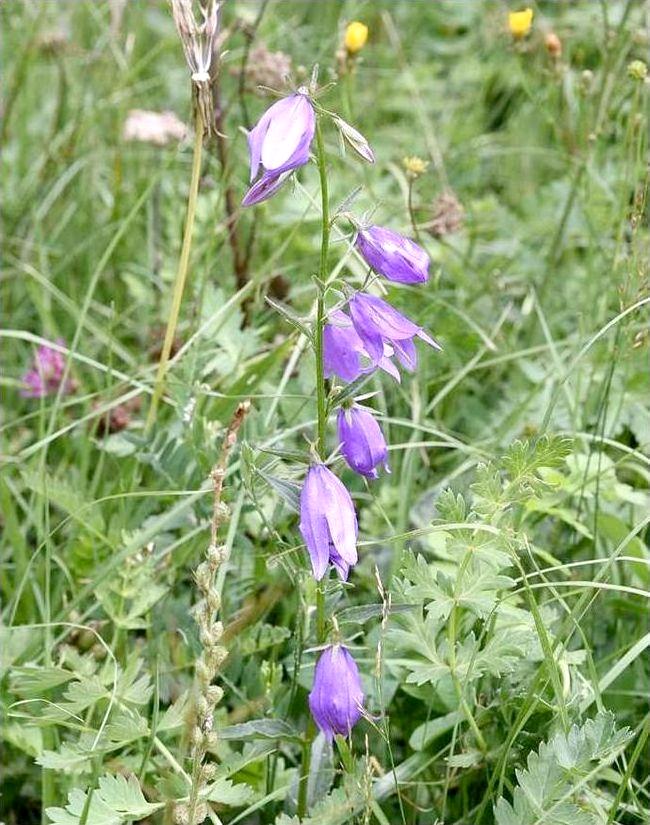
393,256
347,345
362,442
336,699
328,522
279,143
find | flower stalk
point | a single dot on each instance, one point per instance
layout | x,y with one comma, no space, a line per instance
321,399
214,653
321,413
181,273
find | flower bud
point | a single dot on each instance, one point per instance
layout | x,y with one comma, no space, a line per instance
356,36
336,699
393,255
328,522
354,139
362,442
553,44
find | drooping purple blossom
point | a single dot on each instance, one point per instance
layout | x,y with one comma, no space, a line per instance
336,698
46,374
393,256
362,442
279,143
328,522
377,323
344,353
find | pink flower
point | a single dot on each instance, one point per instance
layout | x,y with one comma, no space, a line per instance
45,377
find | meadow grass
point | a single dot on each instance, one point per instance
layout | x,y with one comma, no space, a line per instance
499,610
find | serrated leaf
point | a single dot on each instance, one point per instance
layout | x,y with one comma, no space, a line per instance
31,680
552,776
115,801
226,792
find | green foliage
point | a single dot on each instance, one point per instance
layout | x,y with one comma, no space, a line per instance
501,595
117,800
556,786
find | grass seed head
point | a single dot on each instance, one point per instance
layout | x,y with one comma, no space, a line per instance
198,35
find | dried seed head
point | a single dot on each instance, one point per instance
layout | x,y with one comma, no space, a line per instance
553,44
267,69
209,771
214,600
448,215
199,41
181,814
203,577
203,673
201,813
214,694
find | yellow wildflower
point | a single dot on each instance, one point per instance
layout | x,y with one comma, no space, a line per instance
414,166
356,35
637,70
520,22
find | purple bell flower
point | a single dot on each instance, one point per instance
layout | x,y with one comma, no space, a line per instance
46,374
393,256
328,522
377,323
362,442
336,698
344,353
279,143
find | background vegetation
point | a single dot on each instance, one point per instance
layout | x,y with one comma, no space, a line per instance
499,613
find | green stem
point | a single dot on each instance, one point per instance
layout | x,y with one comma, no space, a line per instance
320,612
303,785
321,399
451,635
321,405
181,274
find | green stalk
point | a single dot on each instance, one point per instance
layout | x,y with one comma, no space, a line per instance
321,411
321,399
181,274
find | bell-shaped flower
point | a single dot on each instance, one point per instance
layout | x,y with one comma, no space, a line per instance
362,442
377,324
279,143
46,374
393,256
336,698
328,522
344,353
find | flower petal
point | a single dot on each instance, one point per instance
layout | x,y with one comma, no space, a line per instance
292,125
266,186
